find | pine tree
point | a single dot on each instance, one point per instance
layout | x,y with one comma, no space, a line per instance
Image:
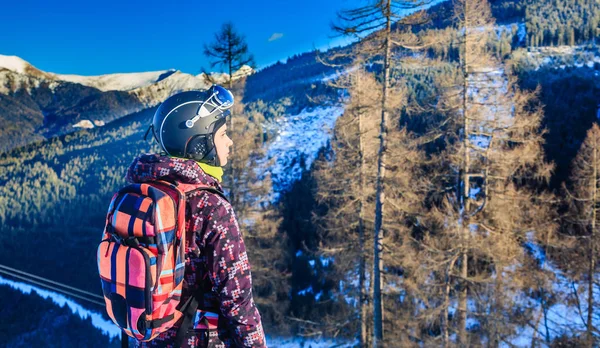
230,50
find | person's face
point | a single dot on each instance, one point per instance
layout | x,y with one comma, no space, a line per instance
222,144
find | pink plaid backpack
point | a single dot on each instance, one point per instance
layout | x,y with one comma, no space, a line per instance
141,258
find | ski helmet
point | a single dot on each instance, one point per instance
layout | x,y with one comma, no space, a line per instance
185,124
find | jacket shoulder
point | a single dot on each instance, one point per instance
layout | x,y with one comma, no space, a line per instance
210,212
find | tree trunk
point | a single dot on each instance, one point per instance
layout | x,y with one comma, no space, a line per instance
361,237
444,321
592,266
370,327
465,202
232,179
380,194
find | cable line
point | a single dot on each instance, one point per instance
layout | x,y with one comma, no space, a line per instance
68,293
53,282
17,274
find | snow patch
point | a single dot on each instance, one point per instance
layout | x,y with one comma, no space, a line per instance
296,146
14,63
306,291
300,342
522,32
318,296
84,124
563,317
474,191
223,78
336,75
561,57
117,82
326,261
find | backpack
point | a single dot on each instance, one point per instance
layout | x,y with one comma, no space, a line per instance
141,258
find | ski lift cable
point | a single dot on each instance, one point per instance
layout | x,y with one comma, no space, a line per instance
64,292
92,295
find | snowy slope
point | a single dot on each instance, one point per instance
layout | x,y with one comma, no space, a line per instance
298,137
562,315
14,63
117,82
16,73
558,57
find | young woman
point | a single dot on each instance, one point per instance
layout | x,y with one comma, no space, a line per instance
191,130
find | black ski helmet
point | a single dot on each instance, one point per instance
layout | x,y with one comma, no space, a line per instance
185,124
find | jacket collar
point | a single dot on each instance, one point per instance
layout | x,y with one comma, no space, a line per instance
149,167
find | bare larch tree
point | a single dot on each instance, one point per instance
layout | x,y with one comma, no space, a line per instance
376,19
584,198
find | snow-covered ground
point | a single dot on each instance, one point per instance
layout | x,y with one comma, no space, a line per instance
298,137
558,57
300,342
564,316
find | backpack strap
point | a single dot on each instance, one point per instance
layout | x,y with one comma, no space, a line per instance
191,306
193,303
191,188
124,339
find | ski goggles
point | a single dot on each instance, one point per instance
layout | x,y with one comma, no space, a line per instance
220,99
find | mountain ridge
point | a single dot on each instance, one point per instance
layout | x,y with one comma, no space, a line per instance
111,81
37,105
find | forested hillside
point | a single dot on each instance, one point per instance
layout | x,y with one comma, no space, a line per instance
487,184
564,22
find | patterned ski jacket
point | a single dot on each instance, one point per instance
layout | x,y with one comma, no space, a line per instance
216,261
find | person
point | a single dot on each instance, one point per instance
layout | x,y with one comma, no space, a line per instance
191,130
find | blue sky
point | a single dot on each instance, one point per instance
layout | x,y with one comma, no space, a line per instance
100,37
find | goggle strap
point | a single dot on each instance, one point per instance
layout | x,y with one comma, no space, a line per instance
147,131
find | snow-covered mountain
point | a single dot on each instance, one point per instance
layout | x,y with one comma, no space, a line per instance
117,82
36,104
18,65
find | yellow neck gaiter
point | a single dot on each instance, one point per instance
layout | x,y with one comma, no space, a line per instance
215,172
